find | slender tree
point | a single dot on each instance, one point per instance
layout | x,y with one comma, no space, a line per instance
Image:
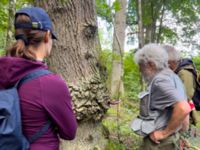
76,57
140,25
161,23
12,10
141,41
117,85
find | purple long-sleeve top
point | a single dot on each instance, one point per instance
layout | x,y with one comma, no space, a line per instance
41,99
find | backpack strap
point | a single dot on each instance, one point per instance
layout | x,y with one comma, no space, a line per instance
28,77
32,75
39,133
183,63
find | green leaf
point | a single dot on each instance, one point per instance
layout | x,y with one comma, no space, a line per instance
103,10
116,5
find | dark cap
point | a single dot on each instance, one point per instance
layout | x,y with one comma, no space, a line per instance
40,20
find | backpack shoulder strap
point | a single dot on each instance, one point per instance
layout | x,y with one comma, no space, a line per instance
32,75
28,77
194,72
39,133
183,65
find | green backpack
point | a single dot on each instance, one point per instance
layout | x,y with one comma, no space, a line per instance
182,65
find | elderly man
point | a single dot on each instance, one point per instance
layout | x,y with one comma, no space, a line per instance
163,107
182,67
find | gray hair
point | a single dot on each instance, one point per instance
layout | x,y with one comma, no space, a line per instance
173,54
152,53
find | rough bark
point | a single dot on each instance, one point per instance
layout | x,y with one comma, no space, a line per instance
75,57
10,30
117,86
90,138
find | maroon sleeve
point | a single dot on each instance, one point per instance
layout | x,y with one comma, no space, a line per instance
57,102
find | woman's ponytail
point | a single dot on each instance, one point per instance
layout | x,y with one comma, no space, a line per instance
24,39
17,49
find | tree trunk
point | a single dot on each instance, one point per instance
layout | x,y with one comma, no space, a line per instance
11,16
117,86
140,34
161,23
75,56
140,25
148,33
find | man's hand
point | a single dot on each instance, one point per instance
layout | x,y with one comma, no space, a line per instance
180,112
158,135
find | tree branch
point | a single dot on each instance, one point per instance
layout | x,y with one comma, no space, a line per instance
161,22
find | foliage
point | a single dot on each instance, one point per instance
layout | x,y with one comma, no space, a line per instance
3,15
131,73
131,18
131,77
3,22
151,17
116,5
105,10
22,3
2,52
187,17
128,139
180,21
2,40
4,5
106,61
168,35
113,145
196,61
164,21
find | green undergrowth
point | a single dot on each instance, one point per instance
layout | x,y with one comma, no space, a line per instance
2,52
118,131
117,124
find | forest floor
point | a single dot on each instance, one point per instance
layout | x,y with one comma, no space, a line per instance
194,138
120,135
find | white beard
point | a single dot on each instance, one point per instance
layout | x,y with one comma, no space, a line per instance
147,78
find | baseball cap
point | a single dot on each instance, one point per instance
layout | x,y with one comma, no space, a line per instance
40,20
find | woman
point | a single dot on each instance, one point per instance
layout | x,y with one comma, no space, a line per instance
45,98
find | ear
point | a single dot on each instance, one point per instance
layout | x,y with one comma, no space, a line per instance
47,36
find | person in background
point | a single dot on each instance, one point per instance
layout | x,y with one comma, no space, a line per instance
181,67
47,97
168,102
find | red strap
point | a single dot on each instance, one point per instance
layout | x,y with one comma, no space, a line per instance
191,105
